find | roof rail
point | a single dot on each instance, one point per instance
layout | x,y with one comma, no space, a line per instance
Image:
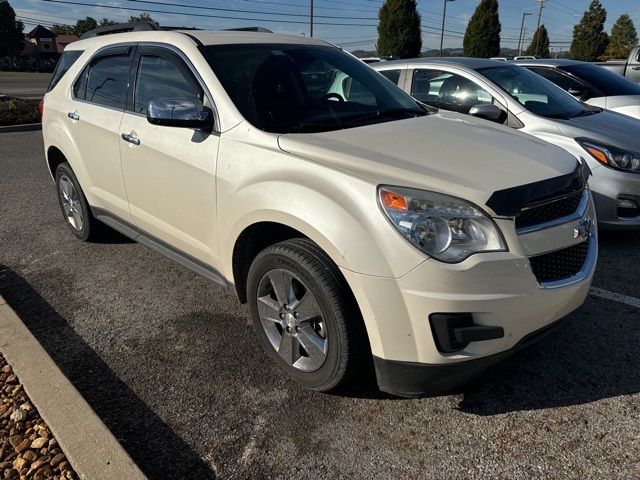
121,28
248,29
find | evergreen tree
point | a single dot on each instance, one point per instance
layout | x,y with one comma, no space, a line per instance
399,29
84,25
589,38
11,37
540,43
623,38
482,38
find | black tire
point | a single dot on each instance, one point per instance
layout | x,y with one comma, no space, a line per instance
347,348
90,229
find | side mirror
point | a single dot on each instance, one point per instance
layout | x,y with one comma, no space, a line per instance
581,93
488,111
181,113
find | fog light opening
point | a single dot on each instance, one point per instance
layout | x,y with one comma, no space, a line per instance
628,207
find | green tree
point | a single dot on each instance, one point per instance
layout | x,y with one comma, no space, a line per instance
11,37
143,17
589,38
60,29
540,43
84,25
105,22
482,38
623,38
399,29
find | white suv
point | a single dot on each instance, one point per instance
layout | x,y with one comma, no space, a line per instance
357,225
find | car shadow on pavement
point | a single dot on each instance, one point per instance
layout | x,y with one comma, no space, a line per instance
592,356
153,446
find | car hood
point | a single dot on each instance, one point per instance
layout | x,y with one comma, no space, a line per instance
608,127
445,152
625,104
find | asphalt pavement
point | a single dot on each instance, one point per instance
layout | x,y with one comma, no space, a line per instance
30,85
170,363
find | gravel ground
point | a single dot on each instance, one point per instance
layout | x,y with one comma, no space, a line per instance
27,448
170,363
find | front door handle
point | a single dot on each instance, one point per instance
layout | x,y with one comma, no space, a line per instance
130,138
73,116
635,68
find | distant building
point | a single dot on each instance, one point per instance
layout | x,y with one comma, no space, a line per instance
42,49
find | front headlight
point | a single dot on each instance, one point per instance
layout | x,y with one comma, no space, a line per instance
610,156
446,228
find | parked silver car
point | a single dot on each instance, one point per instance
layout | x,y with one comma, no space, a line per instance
506,93
590,83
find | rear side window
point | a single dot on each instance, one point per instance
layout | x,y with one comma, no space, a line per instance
160,78
105,81
608,82
393,75
67,59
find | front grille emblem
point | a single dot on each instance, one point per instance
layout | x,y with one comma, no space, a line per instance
583,229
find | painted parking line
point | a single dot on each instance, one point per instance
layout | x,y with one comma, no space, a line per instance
616,297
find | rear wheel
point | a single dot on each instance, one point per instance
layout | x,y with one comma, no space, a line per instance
74,206
305,315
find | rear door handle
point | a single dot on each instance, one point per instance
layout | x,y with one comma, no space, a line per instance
635,68
73,116
130,138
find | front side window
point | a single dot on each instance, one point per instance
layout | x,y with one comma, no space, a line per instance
447,90
285,88
608,82
564,81
161,78
393,75
534,93
105,81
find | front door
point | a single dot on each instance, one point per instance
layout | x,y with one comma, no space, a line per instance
169,172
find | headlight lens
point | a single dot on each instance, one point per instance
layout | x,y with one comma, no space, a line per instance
446,228
613,157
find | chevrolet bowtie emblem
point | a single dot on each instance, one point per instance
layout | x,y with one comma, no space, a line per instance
583,229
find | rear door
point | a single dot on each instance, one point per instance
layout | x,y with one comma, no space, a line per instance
633,68
94,116
169,172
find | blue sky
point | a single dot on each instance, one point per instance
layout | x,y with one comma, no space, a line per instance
359,17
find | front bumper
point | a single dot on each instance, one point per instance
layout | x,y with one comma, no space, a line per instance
406,379
497,289
607,186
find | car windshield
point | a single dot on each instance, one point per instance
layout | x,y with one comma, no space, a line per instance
535,93
285,88
608,82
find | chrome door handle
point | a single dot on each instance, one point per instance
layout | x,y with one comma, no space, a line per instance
73,116
130,138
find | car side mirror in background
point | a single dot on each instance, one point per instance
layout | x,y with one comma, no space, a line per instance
488,112
176,112
581,93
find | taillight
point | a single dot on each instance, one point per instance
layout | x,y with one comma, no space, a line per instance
41,109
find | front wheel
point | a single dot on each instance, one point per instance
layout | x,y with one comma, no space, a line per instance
305,316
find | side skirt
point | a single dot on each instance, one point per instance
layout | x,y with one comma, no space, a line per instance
134,233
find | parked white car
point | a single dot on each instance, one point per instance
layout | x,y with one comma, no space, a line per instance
514,96
353,224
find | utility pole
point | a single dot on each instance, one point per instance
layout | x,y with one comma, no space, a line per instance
540,7
444,16
311,19
521,37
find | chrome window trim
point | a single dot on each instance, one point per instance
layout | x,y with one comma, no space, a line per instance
579,213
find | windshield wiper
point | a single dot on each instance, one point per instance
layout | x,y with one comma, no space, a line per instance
587,111
380,114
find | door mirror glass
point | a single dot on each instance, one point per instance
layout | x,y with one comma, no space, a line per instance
176,112
488,111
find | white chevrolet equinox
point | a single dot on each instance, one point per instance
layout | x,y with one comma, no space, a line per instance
361,228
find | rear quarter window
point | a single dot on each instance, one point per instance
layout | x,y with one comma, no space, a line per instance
67,59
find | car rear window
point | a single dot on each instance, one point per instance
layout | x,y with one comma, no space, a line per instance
608,82
67,59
